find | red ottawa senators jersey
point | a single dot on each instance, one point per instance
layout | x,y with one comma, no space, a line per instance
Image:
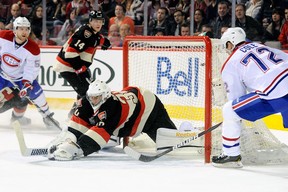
80,48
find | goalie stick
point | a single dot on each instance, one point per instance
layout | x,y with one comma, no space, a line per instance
23,148
147,158
4,75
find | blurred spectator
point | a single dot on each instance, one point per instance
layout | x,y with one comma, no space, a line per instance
60,13
200,4
253,9
283,37
136,11
185,29
179,18
93,5
211,10
36,21
48,40
15,12
286,13
121,19
2,26
253,29
114,36
266,22
124,31
50,10
71,24
223,29
199,20
153,6
186,7
171,3
273,30
30,3
207,30
223,19
160,31
82,7
108,7
160,22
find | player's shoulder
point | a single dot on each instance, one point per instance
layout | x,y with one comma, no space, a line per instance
84,31
7,34
32,47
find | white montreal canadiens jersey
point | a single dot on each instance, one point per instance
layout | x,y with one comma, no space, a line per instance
19,63
254,67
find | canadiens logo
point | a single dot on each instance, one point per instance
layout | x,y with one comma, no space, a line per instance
102,115
87,33
11,60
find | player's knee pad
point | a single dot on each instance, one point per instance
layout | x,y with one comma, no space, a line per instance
229,113
167,138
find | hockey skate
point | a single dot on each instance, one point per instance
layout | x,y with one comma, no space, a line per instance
227,161
24,121
50,122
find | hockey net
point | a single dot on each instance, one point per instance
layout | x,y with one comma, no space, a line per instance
184,72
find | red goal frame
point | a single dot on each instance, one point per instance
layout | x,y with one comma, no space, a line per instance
208,76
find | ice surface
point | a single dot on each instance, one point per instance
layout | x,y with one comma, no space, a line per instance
114,171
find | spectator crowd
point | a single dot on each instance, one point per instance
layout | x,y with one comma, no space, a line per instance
262,20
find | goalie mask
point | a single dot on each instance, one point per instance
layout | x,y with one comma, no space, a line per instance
98,93
235,36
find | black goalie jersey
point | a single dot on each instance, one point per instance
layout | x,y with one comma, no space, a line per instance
126,113
79,50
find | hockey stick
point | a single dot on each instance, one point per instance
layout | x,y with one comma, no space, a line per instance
23,148
147,158
4,75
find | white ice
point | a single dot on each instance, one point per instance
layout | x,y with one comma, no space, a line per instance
115,171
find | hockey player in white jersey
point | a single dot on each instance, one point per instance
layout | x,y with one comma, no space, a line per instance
256,81
20,65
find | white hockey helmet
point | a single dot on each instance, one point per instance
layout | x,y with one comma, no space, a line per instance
235,35
21,22
98,88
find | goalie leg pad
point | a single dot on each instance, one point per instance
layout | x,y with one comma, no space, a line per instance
167,138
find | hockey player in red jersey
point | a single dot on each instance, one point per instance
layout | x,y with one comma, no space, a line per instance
77,53
102,113
256,78
20,65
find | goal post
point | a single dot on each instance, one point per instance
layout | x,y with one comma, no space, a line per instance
184,72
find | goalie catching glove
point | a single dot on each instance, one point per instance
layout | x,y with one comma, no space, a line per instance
66,151
26,89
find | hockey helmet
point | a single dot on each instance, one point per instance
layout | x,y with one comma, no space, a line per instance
98,88
21,22
234,35
96,15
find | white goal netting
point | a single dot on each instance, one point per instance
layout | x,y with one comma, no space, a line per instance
177,69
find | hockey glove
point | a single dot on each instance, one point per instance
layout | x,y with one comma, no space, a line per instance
26,89
106,45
